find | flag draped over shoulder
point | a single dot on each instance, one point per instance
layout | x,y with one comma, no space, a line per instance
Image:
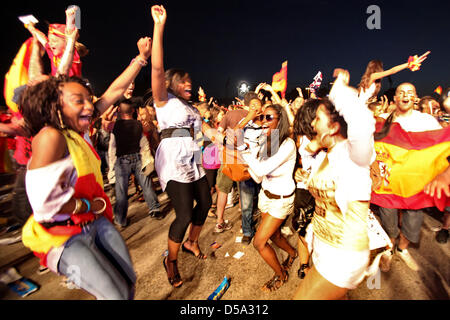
407,162
279,80
18,73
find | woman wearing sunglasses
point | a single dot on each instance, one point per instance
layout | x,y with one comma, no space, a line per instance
272,166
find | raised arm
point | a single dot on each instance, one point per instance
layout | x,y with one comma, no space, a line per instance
67,58
359,119
118,87
36,67
379,75
37,34
159,89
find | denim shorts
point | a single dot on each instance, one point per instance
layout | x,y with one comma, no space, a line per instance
411,223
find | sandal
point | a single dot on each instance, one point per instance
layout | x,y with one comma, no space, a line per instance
301,271
174,280
287,264
199,256
275,283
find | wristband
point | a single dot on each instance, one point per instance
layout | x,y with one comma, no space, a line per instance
104,205
140,60
88,204
242,147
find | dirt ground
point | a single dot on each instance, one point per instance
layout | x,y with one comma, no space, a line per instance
147,241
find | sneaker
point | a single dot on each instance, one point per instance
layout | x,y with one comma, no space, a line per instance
224,226
247,240
442,236
385,261
121,227
156,214
408,259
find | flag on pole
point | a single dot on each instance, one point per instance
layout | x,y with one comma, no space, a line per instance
279,80
315,85
438,90
407,162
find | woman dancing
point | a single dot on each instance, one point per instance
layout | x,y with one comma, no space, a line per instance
341,186
178,157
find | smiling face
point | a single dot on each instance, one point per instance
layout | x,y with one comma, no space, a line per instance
270,120
404,98
183,87
77,107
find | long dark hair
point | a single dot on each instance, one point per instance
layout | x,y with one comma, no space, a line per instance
304,117
335,116
41,104
271,145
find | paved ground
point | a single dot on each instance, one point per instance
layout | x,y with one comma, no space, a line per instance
147,241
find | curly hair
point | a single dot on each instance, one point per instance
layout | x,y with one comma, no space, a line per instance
40,104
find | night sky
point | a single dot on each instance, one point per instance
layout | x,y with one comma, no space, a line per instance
221,43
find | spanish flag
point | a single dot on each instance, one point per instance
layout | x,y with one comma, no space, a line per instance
279,80
18,73
407,162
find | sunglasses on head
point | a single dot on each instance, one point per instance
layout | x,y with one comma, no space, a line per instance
268,117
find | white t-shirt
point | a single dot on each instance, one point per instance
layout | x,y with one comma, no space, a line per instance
416,121
178,159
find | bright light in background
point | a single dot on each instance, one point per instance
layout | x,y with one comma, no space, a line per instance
243,88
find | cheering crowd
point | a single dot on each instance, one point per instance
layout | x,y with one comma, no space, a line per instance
330,161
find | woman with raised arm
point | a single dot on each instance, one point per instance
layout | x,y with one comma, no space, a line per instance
341,186
178,157
370,84
70,229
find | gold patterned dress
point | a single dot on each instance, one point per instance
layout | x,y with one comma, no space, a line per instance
339,241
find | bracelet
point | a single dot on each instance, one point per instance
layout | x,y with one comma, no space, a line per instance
140,60
88,204
104,205
78,205
242,147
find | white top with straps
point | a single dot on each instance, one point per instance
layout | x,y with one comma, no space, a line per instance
179,158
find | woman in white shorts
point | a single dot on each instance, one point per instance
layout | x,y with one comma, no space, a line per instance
341,186
273,166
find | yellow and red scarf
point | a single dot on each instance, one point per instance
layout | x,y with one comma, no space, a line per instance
89,185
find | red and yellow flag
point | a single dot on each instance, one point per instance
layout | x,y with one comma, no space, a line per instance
279,80
438,90
18,73
407,162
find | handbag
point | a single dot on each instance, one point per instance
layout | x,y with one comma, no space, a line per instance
232,167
